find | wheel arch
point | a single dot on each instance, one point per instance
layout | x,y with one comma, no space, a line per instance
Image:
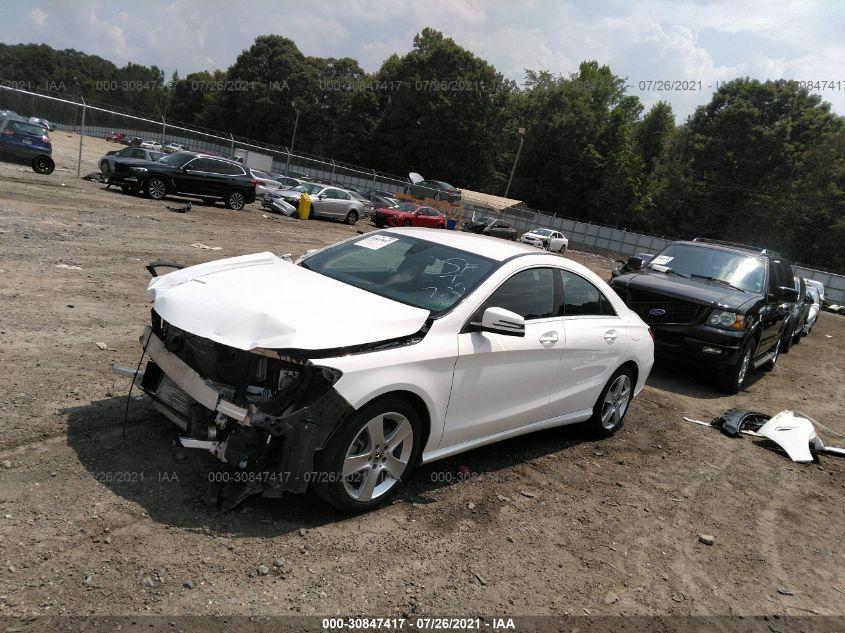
632,365
419,405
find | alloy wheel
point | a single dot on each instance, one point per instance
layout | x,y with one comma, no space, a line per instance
616,402
156,189
743,366
378,456
236,200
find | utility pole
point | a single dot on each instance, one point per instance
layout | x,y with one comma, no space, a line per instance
521,132
81,135
293,138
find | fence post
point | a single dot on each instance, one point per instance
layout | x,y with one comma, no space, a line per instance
163,132
287,165
334,166
374,179
81,134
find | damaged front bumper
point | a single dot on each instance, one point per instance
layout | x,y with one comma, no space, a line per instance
272,416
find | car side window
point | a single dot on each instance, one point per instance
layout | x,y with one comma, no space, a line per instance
530,293
202,164
581,298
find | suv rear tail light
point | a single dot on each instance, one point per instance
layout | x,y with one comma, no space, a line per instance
254,182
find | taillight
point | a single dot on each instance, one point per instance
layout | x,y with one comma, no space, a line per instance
255,182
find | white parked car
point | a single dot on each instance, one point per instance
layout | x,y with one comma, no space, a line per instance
156,147
819,286
549,239
815,307
398,347
264,182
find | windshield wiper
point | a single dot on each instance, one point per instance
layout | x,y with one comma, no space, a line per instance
718,281
666,269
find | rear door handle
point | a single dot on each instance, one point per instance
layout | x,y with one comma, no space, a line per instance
611,335
549,338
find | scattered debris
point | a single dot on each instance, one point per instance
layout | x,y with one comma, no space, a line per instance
785,592
188,584
7,463
148,582
88,580
527,493
94,176
278,563
794,431
68,267
471,505
706,539
263,570
180,209
105,347
611,597
480,578
206,247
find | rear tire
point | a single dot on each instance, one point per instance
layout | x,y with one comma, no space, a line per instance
43,165
406,223
352,217
364,462
613,403
235,200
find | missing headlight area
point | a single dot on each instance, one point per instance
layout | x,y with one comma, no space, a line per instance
253,411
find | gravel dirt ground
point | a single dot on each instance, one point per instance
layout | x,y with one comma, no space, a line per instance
92,522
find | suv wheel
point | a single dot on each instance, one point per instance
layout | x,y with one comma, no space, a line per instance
43,165
155,188
366,459
105,169
235,200
732,378
612,405
352,217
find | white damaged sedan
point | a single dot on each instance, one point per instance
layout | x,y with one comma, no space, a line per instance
343,371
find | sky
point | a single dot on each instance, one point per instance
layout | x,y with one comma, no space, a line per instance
675,51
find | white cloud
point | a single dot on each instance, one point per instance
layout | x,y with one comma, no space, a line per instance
649,40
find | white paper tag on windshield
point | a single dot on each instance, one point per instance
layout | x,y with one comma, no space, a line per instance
662,260
375,242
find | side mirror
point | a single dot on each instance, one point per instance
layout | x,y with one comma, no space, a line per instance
786,293
501,321
321,196
634,263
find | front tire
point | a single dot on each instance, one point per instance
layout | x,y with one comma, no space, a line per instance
612,405
731,379
363,464
406,223
105,170
235,200
155,188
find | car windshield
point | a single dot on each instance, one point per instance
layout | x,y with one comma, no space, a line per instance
308,187
745,272
406,269
176,160
543,232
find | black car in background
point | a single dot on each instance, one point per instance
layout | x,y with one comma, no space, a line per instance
798,316
108,160
622,268
492,227
716,304
187,174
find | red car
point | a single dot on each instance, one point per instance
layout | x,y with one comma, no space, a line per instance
115,137
407,214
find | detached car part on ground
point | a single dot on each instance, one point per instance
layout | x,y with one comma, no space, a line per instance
460,341
190,174
26,143
718,305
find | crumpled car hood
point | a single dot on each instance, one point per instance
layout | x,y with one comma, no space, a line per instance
264,301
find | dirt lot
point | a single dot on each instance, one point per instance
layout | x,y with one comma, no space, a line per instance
92,522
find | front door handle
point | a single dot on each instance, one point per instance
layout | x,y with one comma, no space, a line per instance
549,338
611,335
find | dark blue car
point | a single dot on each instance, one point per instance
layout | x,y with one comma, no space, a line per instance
25,142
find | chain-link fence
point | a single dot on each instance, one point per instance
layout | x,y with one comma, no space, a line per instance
86,120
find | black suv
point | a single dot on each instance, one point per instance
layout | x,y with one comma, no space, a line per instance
720,305
186,174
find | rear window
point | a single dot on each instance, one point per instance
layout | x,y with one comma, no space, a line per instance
22,127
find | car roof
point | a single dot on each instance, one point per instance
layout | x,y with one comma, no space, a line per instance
491,247
733,248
